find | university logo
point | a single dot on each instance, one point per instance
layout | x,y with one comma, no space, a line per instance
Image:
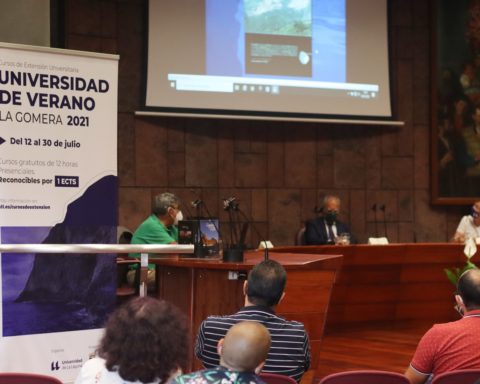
54,366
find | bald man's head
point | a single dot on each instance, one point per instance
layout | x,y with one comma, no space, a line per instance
245,347
469,288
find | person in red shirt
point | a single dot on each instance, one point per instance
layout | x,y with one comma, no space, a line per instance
454,345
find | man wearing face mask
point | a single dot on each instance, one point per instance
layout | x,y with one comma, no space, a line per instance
159,228
469,226
324,229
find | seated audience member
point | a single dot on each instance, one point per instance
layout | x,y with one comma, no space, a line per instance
290,351
159,228
324,229
451,346
145,341
242,355
469,226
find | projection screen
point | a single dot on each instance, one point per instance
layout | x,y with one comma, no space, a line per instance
260,58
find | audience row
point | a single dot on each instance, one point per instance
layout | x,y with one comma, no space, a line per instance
145,340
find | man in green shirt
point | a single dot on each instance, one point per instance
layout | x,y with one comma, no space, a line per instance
159,228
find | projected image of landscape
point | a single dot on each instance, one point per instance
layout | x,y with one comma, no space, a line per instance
278,37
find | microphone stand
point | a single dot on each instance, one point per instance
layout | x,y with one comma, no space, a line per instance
382,208
232,229
197,204
374,208
188,213
262,238
238,227
198,246
234,251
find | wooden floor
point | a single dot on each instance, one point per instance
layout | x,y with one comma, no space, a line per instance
381,349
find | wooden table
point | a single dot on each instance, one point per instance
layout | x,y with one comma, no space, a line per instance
396,284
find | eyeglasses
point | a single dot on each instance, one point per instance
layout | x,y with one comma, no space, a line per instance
457,307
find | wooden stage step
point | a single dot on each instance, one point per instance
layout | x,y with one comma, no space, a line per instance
383,348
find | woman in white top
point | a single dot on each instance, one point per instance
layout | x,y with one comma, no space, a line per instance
145,341
469,226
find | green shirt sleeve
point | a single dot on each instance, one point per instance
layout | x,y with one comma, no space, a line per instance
153,231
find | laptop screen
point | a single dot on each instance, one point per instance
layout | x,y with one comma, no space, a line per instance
203,231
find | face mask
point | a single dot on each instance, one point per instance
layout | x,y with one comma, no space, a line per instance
178,218
330,217
474,213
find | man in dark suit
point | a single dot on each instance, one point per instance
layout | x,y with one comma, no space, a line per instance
324,229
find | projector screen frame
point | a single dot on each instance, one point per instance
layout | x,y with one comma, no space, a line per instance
145,110
249,116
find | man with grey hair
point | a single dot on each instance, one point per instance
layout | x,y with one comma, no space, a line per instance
324,229
159,228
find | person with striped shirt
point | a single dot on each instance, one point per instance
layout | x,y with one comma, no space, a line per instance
290,349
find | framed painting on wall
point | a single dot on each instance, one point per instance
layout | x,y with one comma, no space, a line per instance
455,105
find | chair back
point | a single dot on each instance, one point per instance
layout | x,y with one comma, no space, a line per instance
300,237
274,378
27,378
467,376
365,377
124,290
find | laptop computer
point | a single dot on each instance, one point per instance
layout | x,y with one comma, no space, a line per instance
204,232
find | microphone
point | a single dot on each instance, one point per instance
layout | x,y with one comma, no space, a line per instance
238,231
382,208
374,209
231,206
197,204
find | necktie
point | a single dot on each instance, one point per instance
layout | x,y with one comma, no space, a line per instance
331,236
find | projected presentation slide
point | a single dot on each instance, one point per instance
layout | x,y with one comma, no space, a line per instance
288,56
286,39
274,46
271,40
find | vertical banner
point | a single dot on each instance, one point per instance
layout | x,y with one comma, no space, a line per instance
58,184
